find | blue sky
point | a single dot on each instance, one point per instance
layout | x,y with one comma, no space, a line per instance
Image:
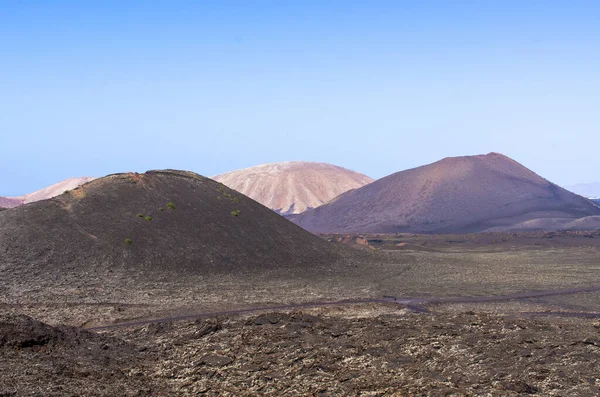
375,86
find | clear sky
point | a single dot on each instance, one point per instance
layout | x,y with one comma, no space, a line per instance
374,86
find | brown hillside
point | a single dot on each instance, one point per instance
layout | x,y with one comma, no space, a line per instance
295,186
207,228
458,194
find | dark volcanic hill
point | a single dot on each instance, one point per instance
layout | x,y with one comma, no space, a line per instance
161,220
457,194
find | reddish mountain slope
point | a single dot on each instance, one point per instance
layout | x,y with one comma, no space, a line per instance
459,194
10,202
295,186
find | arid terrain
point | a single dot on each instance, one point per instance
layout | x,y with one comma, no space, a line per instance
169,283
543,344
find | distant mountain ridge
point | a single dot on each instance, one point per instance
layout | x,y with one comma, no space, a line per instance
45,193
293,187
589,190
453,195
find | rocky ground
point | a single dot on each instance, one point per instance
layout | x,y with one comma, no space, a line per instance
463,348
363,350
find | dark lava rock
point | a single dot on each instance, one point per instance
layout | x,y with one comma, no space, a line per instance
40,359
520,387
215,360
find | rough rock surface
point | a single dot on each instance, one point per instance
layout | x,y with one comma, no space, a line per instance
37,359
314,354
295,186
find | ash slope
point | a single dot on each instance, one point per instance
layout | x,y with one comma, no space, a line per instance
45,193
454,195
295,186
210,229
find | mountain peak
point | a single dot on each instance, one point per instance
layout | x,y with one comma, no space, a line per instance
455,194
292,187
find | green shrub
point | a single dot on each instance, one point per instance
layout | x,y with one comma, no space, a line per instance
140,215
170,205
148,218
236,200
128,241
161,209
236,212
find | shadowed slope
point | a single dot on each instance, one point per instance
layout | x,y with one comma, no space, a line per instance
459,194
295,186
158,221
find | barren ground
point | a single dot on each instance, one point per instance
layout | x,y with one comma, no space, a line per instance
516,347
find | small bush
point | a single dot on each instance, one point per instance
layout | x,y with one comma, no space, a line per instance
236,212
161,209
236,200
170,205
140,215
128,241
148,218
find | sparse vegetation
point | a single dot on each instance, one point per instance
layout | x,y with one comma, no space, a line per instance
170,205
148,218
236,200
236,212
128,241
140,215
161,209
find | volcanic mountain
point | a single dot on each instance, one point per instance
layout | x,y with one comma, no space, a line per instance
295,186
45,193
157,221
457,194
